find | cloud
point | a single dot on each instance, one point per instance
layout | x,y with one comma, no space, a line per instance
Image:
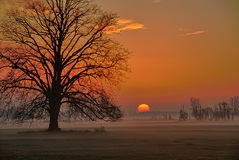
133,26
195,33
181,29
157,1
125,24
124,21
190,33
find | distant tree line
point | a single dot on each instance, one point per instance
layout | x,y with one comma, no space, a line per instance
221,111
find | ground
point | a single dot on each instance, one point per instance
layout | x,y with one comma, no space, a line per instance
129,139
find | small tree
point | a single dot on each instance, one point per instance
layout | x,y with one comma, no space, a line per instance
234,102
196,107
57,56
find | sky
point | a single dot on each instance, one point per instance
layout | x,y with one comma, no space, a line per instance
180,49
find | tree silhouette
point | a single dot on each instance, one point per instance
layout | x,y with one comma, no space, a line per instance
196,108
57,57
234,102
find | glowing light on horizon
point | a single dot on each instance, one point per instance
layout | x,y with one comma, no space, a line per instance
143,108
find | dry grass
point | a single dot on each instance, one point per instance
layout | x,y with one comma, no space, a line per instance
131,140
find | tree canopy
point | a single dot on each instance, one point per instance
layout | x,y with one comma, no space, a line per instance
58,58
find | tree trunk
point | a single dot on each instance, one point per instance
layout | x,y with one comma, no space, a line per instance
55,104
55,96
53,125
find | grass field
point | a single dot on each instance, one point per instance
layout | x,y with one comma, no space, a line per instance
125,140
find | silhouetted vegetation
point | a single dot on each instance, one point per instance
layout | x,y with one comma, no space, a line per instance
58,60
221,111
183,115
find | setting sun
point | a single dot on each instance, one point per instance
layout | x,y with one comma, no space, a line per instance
143,108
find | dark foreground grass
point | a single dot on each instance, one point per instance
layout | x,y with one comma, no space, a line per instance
131,142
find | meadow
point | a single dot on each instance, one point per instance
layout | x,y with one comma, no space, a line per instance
132,139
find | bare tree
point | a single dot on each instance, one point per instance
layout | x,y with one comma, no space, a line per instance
234,102
57,56
224,110
183,115
196,107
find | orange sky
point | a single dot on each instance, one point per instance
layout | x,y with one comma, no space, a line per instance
181,48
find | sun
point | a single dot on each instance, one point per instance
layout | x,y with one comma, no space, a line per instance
143,108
